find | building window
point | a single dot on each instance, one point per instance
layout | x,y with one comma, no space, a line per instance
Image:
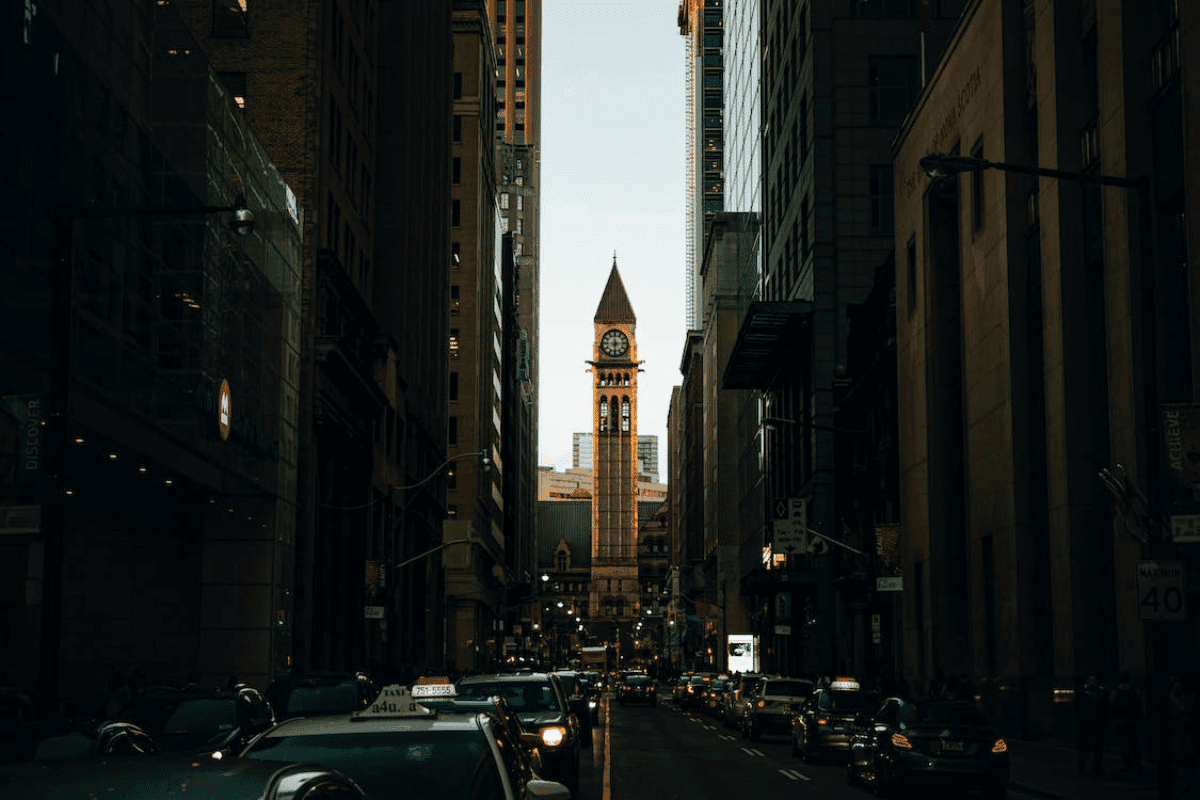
603,415
504,200
453,385
884,8
230,18
235,84
456,170
454,301
457,86
520,225
911,256
625,419
452,476
520,202
562,561
882,201
894,83
452,431
455,212
457,128
455,249
977,189
454,342
451,512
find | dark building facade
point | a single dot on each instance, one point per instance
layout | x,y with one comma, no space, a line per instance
150,362
360,130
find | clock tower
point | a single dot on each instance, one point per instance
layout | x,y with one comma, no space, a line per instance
613,596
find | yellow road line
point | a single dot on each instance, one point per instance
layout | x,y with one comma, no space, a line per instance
606,790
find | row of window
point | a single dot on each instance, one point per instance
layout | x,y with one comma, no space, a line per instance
613,379
604,415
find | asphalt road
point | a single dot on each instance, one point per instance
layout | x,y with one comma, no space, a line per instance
663,753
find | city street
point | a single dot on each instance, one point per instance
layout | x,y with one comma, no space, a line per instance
664,753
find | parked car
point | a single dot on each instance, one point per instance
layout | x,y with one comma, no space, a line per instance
317,695
542,707
830,718
737,697
94,740
933,745
201,721
772,705
578,699
679,689
637,689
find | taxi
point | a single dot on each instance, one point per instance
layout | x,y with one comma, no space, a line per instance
828,721
399,745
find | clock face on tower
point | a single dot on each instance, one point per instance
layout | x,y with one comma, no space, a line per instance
614,343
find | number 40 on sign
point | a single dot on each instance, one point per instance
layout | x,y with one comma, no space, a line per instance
1161,590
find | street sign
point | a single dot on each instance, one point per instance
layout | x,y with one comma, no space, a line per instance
895,584
1161,590
876,629
1185,529
783,630
791,526
373,612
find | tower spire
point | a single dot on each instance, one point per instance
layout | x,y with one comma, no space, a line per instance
614,303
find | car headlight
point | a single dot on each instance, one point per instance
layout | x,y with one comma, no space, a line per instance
1000,746
592,704
554,735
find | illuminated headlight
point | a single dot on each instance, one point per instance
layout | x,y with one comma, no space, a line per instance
553,736
592,704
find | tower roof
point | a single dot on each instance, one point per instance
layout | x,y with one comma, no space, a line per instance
614,303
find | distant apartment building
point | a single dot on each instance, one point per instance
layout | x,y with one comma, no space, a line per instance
576,484
581,454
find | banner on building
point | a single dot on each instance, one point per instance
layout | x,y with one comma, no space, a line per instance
30,411
742,652
1181,469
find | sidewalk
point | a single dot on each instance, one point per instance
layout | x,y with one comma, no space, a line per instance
1049,769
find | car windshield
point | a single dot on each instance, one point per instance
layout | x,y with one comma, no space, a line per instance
720,683
697,680
523,696
426,766
848,701
180,725
339,698
637,680
787,688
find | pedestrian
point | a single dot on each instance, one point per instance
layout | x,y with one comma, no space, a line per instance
1128,711
1091,714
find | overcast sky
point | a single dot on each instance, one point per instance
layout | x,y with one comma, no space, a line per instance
613,177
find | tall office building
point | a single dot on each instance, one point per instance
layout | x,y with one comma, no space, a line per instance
517,30
581,454
701,24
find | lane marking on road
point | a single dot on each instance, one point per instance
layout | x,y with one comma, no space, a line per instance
606,787
727,737
750,751
710,727
795,775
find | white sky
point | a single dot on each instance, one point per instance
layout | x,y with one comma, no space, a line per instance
613,178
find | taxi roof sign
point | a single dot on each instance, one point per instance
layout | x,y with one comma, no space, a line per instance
844,683
394,702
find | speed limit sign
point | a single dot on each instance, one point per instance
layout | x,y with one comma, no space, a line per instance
1161,590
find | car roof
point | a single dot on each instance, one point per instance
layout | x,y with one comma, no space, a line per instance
348,723
505,677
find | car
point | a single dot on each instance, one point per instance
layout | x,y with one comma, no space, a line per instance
829,719
313,695
158,778
201,721
679,688
736,698
711,702
593,686
96,740
398,745
772,705
586,707
637,689
693,693
542,707
933,745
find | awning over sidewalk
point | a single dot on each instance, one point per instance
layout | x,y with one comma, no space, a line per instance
767,331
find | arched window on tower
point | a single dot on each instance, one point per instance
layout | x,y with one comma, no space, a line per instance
615,421
626,378
625,414
603,414
562,560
